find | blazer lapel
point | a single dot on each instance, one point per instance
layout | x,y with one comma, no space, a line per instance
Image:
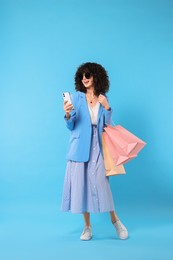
85,105
99,113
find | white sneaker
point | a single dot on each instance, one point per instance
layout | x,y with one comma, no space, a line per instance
121,230
87,233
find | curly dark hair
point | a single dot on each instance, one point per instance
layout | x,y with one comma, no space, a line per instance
100,77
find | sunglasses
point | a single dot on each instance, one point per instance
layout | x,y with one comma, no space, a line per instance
88,75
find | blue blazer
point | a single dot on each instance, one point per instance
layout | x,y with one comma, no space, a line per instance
80,126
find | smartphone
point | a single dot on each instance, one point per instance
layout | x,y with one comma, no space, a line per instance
67,97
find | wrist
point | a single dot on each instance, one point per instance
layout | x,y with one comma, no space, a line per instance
67,115
108,108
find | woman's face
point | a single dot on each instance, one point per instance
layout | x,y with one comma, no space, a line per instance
88,80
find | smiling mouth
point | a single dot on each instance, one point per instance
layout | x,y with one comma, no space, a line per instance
86,82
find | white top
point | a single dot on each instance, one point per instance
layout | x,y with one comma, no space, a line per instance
94,113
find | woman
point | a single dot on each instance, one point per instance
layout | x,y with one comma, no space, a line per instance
86,187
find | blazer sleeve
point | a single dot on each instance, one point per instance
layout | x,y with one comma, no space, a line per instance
70,123
108,116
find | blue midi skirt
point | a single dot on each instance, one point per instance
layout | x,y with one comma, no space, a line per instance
86,187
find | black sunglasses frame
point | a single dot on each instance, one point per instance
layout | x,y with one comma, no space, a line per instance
88,75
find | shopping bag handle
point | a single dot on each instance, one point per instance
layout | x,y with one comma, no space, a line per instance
111,124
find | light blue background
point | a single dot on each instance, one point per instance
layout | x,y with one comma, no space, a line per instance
41,45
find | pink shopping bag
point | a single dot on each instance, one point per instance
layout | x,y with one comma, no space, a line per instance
123,145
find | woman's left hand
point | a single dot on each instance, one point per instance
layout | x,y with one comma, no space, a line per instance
103,100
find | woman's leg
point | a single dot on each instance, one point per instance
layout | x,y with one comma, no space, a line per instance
87,219
113,216
87,232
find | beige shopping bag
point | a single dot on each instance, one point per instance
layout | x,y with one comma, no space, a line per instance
110,167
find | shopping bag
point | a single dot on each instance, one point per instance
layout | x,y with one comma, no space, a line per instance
122,144
110,167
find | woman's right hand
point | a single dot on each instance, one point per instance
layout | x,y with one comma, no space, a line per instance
67,109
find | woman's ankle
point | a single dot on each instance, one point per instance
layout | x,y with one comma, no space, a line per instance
87,225
113,216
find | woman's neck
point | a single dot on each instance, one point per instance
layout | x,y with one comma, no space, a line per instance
90,92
